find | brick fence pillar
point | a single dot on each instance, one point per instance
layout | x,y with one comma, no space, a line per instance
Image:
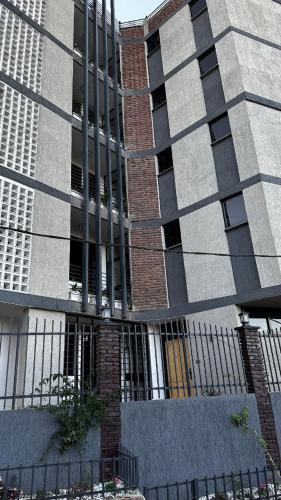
257,384
108,386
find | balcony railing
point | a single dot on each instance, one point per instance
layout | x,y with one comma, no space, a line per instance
77,110
77,187
75,287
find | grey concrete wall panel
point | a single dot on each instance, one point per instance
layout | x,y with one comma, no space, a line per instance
261,18
194,167
161,126
207,276
276,407
57,76
50,216
176,278
202,30
177,440
225,317
263,207
155,69
226,164
245,270
25,435
248,65
177,39
60,20
167,194
185,98
213,91
54,151
256,137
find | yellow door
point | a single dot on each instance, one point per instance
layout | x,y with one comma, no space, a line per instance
179,368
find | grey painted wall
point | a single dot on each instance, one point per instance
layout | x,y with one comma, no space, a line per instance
226,164
24,436
202,30
167,193
213,91
176,277
177,440
155,68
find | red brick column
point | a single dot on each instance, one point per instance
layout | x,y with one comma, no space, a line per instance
149,289
108,385
257,384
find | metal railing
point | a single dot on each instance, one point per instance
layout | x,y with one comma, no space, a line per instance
253,484
176,360
157,361
270,342
100,16
83,479
75,277
77,187
77,109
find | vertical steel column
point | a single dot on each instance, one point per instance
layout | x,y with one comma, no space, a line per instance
110,252
85,257
119,167
98,276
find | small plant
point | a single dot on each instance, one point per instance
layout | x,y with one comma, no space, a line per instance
242,420
76,413
76,288
8,493
211,391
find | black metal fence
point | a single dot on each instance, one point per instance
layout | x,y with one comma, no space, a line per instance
260,483
178,360
157,361
70,480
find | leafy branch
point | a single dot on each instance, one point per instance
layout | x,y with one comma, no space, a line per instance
76,413
242,420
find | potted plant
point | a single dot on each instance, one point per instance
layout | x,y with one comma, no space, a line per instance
75,292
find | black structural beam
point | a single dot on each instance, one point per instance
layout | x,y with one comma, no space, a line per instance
110,235
85,257
98,237
119,166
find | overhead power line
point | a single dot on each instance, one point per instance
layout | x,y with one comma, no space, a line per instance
137,247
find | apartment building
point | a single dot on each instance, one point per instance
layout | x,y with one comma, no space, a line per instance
202,96
196,88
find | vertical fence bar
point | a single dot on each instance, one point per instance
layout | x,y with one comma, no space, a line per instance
85,258
16,371
98,283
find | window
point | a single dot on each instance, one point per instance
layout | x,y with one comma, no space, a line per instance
165,160
220,127
159,96
208,60
153,43
172,234
234,211
197,6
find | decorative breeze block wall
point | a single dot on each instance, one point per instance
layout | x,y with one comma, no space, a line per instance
19,119
15,248
36,9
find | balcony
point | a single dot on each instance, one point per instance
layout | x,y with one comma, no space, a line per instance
77,187
75,287
77,112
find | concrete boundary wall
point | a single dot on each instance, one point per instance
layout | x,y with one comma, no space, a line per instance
176,440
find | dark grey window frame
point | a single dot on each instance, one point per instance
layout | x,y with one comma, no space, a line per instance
228,225
203,9
177,233
204,56
228,133
171,166
157,45
157,106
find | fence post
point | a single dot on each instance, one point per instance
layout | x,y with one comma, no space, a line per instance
195,489
108,386
256,380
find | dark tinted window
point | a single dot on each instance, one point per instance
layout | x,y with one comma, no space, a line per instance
234,211
153,43
208,60
220,128
165,160
197,6
159,96
172,234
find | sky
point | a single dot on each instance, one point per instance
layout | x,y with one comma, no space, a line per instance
129,10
